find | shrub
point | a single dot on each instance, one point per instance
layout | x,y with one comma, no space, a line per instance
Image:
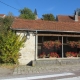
9,48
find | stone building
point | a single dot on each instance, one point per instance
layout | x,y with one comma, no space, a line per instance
2,15
65,28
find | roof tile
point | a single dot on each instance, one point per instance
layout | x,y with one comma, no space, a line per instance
64,18
22,24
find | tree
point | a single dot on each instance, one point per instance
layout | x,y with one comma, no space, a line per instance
79,13
49,17
10,43
1,21
8,21
10,14
77,10
5,24
9,47
26,13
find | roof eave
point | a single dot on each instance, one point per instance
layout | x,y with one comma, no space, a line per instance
45,30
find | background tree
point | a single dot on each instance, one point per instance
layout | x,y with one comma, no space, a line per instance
79,13
5,24
1,27
10,14
77,10
49,17
26,13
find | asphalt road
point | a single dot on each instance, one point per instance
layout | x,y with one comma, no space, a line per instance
47,76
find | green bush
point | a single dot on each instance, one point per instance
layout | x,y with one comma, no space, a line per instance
9,48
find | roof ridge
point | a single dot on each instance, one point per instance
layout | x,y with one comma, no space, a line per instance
45,21
65,15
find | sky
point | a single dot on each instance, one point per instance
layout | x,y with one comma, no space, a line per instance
55,7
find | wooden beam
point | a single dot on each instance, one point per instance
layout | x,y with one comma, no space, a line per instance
58,35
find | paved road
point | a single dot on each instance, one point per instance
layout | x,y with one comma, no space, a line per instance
26,71
49,76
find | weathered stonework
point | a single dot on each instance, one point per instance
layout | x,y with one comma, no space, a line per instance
28,51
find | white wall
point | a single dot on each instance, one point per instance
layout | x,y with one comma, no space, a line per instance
28,51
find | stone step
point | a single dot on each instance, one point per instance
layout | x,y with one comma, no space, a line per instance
50,62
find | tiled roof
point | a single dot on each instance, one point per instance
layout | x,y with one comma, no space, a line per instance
2,14
65,18
22,24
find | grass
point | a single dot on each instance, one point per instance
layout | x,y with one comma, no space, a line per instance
8,65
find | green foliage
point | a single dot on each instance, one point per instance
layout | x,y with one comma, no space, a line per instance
49,17
10,43
1,20
26,14
9,48
7,21
1,27
79,13
5,24
77,10
10,14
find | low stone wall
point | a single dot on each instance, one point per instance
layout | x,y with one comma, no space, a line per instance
56,62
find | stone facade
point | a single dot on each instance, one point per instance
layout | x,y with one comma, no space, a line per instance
28,51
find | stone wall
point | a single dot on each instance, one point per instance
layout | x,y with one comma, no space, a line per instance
55,61
28,51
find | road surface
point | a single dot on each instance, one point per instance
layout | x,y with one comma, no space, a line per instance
48,76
